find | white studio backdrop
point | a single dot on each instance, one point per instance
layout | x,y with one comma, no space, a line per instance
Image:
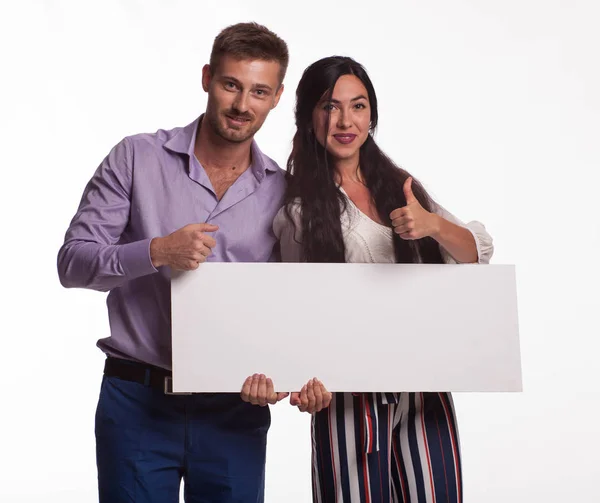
493,105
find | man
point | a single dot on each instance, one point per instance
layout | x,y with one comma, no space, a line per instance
172,200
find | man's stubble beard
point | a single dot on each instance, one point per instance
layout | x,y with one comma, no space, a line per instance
226,134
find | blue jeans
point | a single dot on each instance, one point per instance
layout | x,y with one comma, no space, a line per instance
146,442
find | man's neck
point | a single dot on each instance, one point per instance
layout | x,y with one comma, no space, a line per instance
214,152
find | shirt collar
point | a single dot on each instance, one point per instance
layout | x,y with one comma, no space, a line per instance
184,140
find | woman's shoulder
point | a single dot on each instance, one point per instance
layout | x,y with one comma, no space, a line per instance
288,215
293,208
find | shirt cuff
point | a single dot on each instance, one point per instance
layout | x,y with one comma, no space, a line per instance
477,245
483,242
135,259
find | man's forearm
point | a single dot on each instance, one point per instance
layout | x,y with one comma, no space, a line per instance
84,264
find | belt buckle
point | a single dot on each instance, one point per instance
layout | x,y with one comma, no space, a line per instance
168,388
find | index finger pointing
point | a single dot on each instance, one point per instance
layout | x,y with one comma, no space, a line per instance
204,227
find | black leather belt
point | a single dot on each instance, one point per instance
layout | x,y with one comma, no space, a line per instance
148,375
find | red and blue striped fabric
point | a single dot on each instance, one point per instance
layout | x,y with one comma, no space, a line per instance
392,447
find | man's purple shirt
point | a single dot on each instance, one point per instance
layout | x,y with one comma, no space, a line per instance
148,186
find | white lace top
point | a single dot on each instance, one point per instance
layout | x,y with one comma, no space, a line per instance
366,240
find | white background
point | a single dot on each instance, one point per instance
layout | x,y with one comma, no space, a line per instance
494,105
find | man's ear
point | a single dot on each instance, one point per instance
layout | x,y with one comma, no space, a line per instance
206,77
277,96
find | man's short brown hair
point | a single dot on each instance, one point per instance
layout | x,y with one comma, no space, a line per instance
250,41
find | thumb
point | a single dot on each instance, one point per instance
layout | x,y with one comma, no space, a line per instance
408,193
295,398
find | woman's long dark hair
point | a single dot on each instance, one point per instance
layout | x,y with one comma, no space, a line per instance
311,174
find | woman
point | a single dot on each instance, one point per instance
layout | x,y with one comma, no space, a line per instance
348,202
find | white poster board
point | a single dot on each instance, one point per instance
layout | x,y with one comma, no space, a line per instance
357,327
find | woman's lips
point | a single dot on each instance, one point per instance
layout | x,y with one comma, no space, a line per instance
345,138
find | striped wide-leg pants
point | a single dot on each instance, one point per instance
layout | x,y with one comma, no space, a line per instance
368,451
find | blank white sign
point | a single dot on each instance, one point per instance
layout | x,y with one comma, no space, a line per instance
357,327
